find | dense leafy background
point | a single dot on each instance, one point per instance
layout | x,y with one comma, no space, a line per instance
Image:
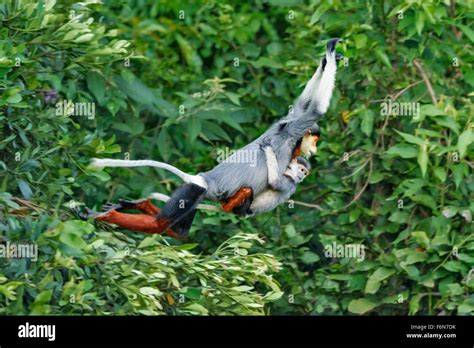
178,82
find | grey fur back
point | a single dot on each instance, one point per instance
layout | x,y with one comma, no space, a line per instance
227,177
270,199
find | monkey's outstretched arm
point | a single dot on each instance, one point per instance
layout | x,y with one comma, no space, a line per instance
317,94
303,101
312,87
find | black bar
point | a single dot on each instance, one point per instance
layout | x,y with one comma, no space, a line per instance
243,330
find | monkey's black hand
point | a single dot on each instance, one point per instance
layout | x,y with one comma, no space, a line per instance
88,214
266,142
339,57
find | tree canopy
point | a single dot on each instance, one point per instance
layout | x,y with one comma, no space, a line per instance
177,82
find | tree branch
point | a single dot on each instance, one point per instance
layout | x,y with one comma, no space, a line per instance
422,72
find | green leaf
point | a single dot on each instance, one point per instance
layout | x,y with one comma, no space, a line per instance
266,62
136,90
197,309
414,305
466,309
415,257
453,266
421,238
361,306
360,41
194,128
425,200
467,31
231,122
383,58
374,281
242,288
411,138
423,159
399,217
39,306
164,143
189,246
420,21
290,231
465,139
14,99
146,290
431,110
459,170
25,189
382,273
309,258
96,84
367,123
193,293
102,176
73,240
84,38
440,173
403,151
190,56
44,297
233,97
215,130
319,12
77,226
372,286
450,211
273,295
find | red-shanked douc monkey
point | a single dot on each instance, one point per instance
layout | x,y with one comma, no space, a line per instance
231,182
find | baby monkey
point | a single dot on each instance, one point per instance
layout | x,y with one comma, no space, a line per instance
281,188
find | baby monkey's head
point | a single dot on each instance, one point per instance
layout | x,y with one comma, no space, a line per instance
298,169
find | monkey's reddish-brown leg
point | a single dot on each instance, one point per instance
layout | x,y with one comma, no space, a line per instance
140,222
237,199
146,207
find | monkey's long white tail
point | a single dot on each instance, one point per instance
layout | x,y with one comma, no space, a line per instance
108,162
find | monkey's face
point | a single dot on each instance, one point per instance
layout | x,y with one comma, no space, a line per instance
308,145
296,171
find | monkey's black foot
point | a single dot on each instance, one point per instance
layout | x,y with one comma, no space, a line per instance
331,46
124,204
111,206
84,215
121,205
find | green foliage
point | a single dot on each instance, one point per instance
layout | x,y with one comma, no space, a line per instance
208,75
82,271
